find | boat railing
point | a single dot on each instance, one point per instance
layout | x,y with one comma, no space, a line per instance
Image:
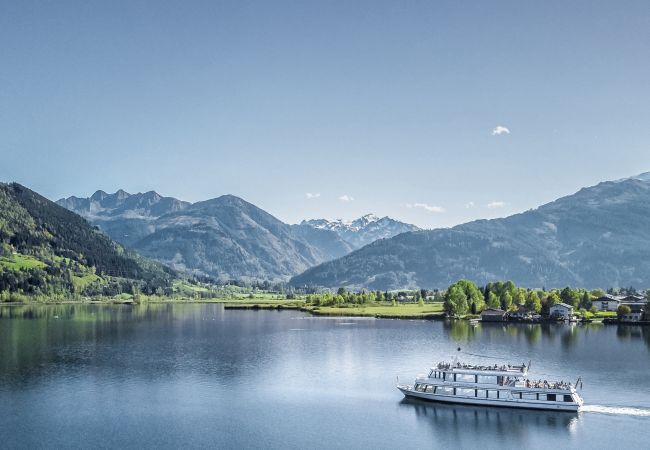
543,384
496,367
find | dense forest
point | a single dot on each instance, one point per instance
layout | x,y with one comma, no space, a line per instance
48,250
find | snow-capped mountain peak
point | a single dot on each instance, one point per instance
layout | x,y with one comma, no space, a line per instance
364,230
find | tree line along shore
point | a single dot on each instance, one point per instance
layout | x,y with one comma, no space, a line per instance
461,300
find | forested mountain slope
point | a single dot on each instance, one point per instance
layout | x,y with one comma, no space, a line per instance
224,238
46,249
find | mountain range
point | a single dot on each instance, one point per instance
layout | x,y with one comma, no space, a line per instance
363,230
225,237
597,237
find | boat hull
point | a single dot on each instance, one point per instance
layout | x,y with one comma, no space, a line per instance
501,403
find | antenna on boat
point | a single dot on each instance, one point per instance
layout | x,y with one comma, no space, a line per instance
454,358
578,381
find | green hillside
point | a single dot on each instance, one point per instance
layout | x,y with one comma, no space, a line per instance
49,251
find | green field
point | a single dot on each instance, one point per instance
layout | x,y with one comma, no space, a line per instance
18,261
403,311
81,282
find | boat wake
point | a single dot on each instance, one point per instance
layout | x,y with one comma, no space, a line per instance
617,410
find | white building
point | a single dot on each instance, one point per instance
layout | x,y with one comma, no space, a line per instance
636,311
561,310
608,303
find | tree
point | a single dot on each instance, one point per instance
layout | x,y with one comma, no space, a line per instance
520,297
533,303
455,301
570,296
341,291
553,299
506,301
585,300
597,293
493,301
622,311
473,294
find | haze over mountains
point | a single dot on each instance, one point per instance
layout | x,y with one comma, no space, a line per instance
226,237
597,237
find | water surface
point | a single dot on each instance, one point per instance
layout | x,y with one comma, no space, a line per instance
170,376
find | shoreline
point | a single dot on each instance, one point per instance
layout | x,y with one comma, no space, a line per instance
295,305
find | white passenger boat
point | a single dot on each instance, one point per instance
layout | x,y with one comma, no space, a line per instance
497,385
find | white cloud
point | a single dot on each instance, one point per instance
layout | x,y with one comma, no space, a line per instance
311,195
430,208
500,129
496,205
469,205
346,198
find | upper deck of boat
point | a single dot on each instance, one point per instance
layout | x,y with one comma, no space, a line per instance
503,370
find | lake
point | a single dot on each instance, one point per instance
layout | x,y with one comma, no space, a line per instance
195,375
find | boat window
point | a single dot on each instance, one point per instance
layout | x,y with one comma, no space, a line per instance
429,388
529,396
481,393
465,378
567,398
419,387
465,392
445,390
550,397
487,379
492,394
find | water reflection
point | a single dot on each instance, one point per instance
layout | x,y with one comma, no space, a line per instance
123,340
634,332
567,335
509,424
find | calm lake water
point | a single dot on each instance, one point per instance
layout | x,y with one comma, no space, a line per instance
172,376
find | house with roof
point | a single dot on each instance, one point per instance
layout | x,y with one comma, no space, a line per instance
493,315
636,311
607,303
521,313
561,310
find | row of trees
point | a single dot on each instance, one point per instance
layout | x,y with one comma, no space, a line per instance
363,297
464,297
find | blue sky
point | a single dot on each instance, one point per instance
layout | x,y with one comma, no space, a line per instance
384,107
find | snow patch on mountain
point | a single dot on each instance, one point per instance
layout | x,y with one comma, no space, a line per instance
364,230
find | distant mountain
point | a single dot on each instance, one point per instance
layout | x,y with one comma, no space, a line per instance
597,237
46,249
363,230
226,237
125,217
